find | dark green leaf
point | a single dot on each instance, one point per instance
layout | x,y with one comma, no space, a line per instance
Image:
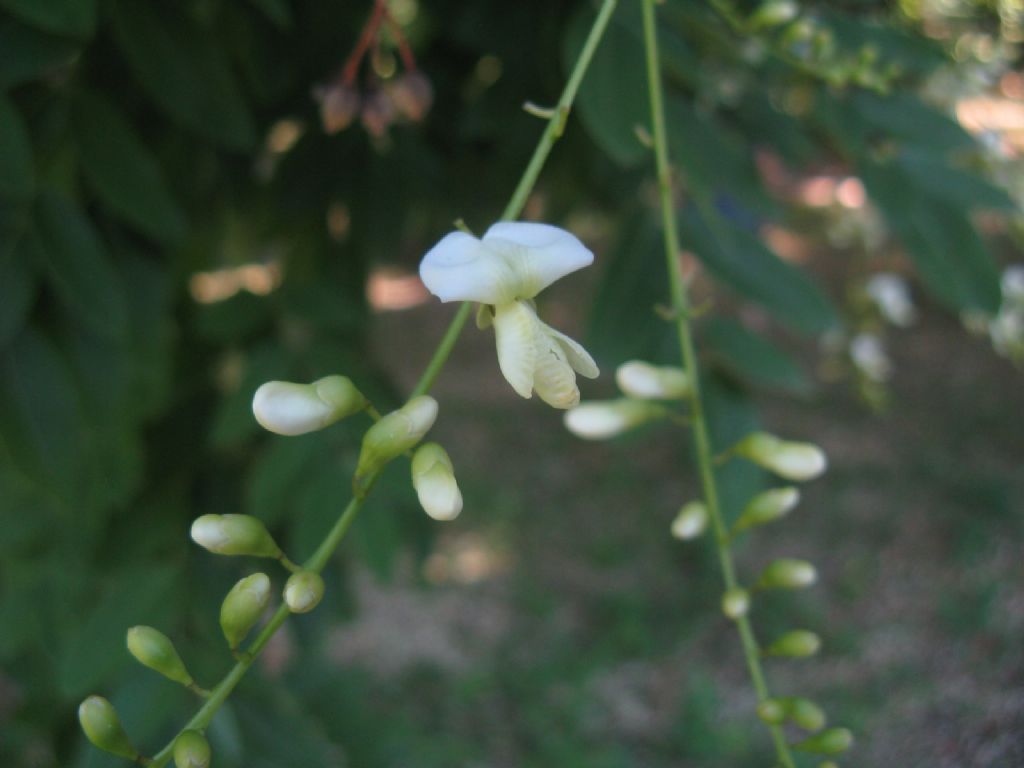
952,185
906,117
122,171
19,289
79,266
947,250
75,18
28,53
613,98
738,258
17,172
39,418
752,356
184,71
280,471
135,596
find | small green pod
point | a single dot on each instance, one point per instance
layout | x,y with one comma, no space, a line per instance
155,650
103,727
243,607
303,591
191,750
234,535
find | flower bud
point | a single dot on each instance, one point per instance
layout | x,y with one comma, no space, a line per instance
103,728
797,644
691,521
794,461
767,507
191,750
806,714
234,535
774,13
608,418
339,104
395,434
434,481
303,591
243,607
772,711
296,409
650,382
156,651
787,573
830,742
736,603
378,112
412,95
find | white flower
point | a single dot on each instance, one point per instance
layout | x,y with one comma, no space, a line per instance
868,353
600,420
295,409
891,295
788,459
650,382
691,521
509,266
1013,283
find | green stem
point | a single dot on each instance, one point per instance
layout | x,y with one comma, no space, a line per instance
220,693
680,303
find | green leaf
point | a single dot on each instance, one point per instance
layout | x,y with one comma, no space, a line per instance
184,70
75,18
79,267
955,186
906,117
39,419
750,355
613,98
943,243
19,292
623,323
738,258
17,171
28,53
138,595
122,171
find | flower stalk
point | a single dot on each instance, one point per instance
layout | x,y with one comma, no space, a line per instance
681,318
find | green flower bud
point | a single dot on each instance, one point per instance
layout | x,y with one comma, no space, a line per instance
234,535
395,434
295,409
650,382
772,711
767,507
691,521
787,573
156,651
303,591
103,728
830,742
806,714
191,750
609,418
794,461
796,644
736,603
243,607
774,13
434,481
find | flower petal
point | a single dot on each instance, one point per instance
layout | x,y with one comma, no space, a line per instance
540,253
460,268
515,326
553,377
578,357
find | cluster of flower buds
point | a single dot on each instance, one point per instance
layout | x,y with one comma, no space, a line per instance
643,385
386,97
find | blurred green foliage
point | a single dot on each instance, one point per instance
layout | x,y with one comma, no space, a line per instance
138,153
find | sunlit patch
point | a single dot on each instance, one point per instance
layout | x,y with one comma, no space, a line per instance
465,559
850,193
283,135
339,221
817,191
389,290
220,284
787,244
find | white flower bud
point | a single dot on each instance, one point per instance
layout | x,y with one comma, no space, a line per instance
1013,283
434,481
787,573
155,650
766,507
395,434
191,750
234,535
890,294
791,460
650,382
691,521
608,418
295,409
303,591
736,603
